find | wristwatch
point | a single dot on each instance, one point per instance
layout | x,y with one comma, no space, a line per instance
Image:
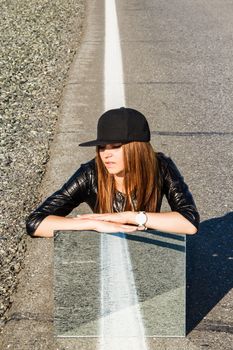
141,219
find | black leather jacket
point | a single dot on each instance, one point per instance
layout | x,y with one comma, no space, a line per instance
82,187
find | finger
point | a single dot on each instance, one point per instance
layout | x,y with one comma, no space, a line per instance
96,217
103,218
86,215
129,228
141,228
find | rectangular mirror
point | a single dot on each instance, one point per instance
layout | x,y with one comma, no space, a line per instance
120,285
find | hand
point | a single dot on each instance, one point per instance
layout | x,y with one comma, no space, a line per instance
111,227
101,223
122,217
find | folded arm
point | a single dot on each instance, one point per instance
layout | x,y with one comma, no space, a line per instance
172,222
52,223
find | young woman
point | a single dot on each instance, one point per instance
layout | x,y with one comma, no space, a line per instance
124,185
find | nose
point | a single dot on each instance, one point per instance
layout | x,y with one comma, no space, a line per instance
107,153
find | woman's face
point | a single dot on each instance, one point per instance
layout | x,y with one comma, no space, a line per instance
113,159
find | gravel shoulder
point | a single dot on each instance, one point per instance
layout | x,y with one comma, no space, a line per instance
38,42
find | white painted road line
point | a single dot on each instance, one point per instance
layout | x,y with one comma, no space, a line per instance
121,326
113,70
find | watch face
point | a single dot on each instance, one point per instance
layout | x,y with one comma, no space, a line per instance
141,218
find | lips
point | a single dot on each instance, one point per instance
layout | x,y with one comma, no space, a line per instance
109,164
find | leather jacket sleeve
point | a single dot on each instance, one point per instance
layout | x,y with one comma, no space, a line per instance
177,192
75,191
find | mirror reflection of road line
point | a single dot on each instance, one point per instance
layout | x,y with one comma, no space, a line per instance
121,321
121,325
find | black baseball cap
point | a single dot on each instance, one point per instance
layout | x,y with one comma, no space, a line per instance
121,125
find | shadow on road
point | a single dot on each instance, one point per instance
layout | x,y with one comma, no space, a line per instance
209,267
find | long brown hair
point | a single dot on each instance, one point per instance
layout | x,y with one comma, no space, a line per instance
141,181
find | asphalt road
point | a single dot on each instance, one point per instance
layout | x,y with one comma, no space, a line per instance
178,70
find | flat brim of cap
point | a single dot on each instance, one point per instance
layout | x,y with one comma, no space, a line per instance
99,143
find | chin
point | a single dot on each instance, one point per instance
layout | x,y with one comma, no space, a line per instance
112,172
115,172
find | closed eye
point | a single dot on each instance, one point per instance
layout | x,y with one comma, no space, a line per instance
118,145
110,146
